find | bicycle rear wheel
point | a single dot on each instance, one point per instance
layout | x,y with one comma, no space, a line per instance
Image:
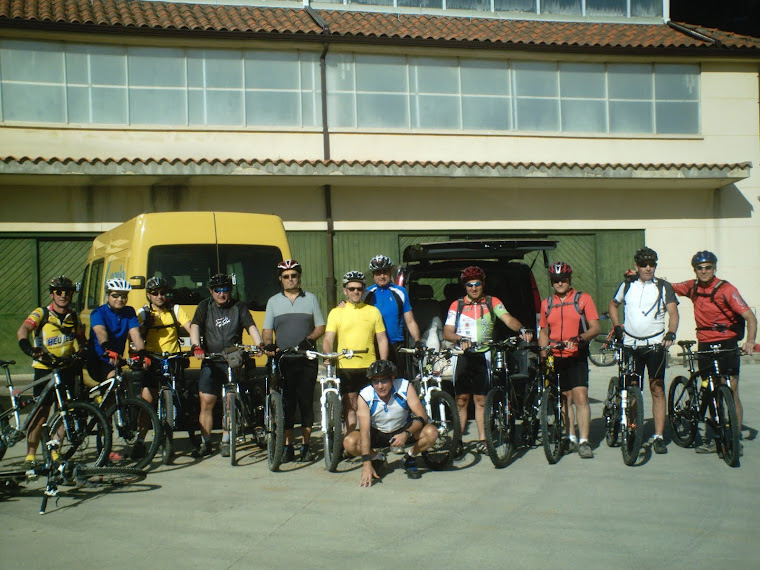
136,433
236,426
333,436
107,476
682,411
601,352
167,426
275,430
84,433
531,413
445,417
552,426
499,426
728,435
633,433
611,414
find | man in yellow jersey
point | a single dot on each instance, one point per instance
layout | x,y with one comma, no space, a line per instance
160,324
357,326
57,330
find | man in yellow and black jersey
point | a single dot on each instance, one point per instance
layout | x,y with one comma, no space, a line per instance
57,330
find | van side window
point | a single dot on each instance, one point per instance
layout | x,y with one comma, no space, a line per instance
83,290
95,287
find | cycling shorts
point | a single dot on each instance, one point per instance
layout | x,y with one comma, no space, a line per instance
471,374
653,359
379,439
99,369
352,379
68,377
728,363
572,372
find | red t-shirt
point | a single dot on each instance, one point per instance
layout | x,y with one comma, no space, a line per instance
564,321
707,313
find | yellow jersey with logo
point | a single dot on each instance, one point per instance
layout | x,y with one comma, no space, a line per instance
356,327
58,335
162,336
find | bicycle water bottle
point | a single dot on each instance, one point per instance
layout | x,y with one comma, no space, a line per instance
498,361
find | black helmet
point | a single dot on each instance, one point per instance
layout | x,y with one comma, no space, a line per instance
62,282
380,262
560,269
644,254
704,257
381,369
353,276
220,280
156,282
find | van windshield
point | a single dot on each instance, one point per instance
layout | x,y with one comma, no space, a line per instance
188,268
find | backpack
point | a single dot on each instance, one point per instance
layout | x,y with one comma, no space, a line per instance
460,306
370,300
46,317
738,324
147,312
575,303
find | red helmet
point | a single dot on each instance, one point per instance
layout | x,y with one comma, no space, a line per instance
472,272
288,264
560,269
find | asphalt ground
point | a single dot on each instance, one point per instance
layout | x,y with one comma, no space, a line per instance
680,510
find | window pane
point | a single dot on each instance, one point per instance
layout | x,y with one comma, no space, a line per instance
38,103
383,110
436,112
195,64
606,7
160,67
628,81
108,65
436,75
677,118
483,77
77,65
676,82
311,109
515,5
341,110
157,107
32,61
651,8
78,99
224,69
196,107
561,6
537,115
271,108
584,116
383,74
469,5
421,3
486,113
271,70
340,73
582,80
373,2
536,79
109,105
631,117
224,107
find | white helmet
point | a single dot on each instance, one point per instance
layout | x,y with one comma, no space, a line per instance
118,284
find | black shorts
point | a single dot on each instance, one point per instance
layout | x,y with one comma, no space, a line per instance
211,378
299,378
69,377
471,374
728,363
653,359
379,439
99,369
398,358
352,379
572,372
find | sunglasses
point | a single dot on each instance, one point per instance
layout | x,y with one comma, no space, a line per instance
158,293
352,289
473,284
119,295
63,292
648,264
290,276
222,290
559,279
376,381
705,267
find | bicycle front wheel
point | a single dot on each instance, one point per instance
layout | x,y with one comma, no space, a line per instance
611,414
333,436
499,427
552,426
83,432
601,352
107,476
275,430
729,425
682,411
445,417
633,432
136,433
167,426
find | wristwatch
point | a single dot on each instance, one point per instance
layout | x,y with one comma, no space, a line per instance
409,436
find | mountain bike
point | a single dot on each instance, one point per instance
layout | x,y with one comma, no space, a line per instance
705,396
601,351
274,409
136,428
439,405
81,430
553,421
331,404
624,406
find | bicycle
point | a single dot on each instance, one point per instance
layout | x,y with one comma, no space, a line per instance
80,427
601,351
134,420
274,410
331,404
176,407
705,396
439,405
624,407
552,420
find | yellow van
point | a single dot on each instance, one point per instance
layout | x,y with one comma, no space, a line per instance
186,249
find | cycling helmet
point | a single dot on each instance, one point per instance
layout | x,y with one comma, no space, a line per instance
472,272
118,284
560,269
62,282
354,276
381,369
704,257
220,280
288,264
156,282
380,262
644,254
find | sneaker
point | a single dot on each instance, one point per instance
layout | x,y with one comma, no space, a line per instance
224,449
306,455
659,446
29,464
138,450
202,450
410,466
459,451
378,463
585,451
708,447
288,454
480,447
571,446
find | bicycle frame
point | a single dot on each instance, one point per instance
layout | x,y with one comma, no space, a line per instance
706,389
430,381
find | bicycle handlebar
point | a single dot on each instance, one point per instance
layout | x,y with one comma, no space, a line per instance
345,353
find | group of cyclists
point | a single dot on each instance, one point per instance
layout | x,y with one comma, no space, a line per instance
374,323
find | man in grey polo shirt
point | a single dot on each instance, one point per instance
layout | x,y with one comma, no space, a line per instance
293,318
